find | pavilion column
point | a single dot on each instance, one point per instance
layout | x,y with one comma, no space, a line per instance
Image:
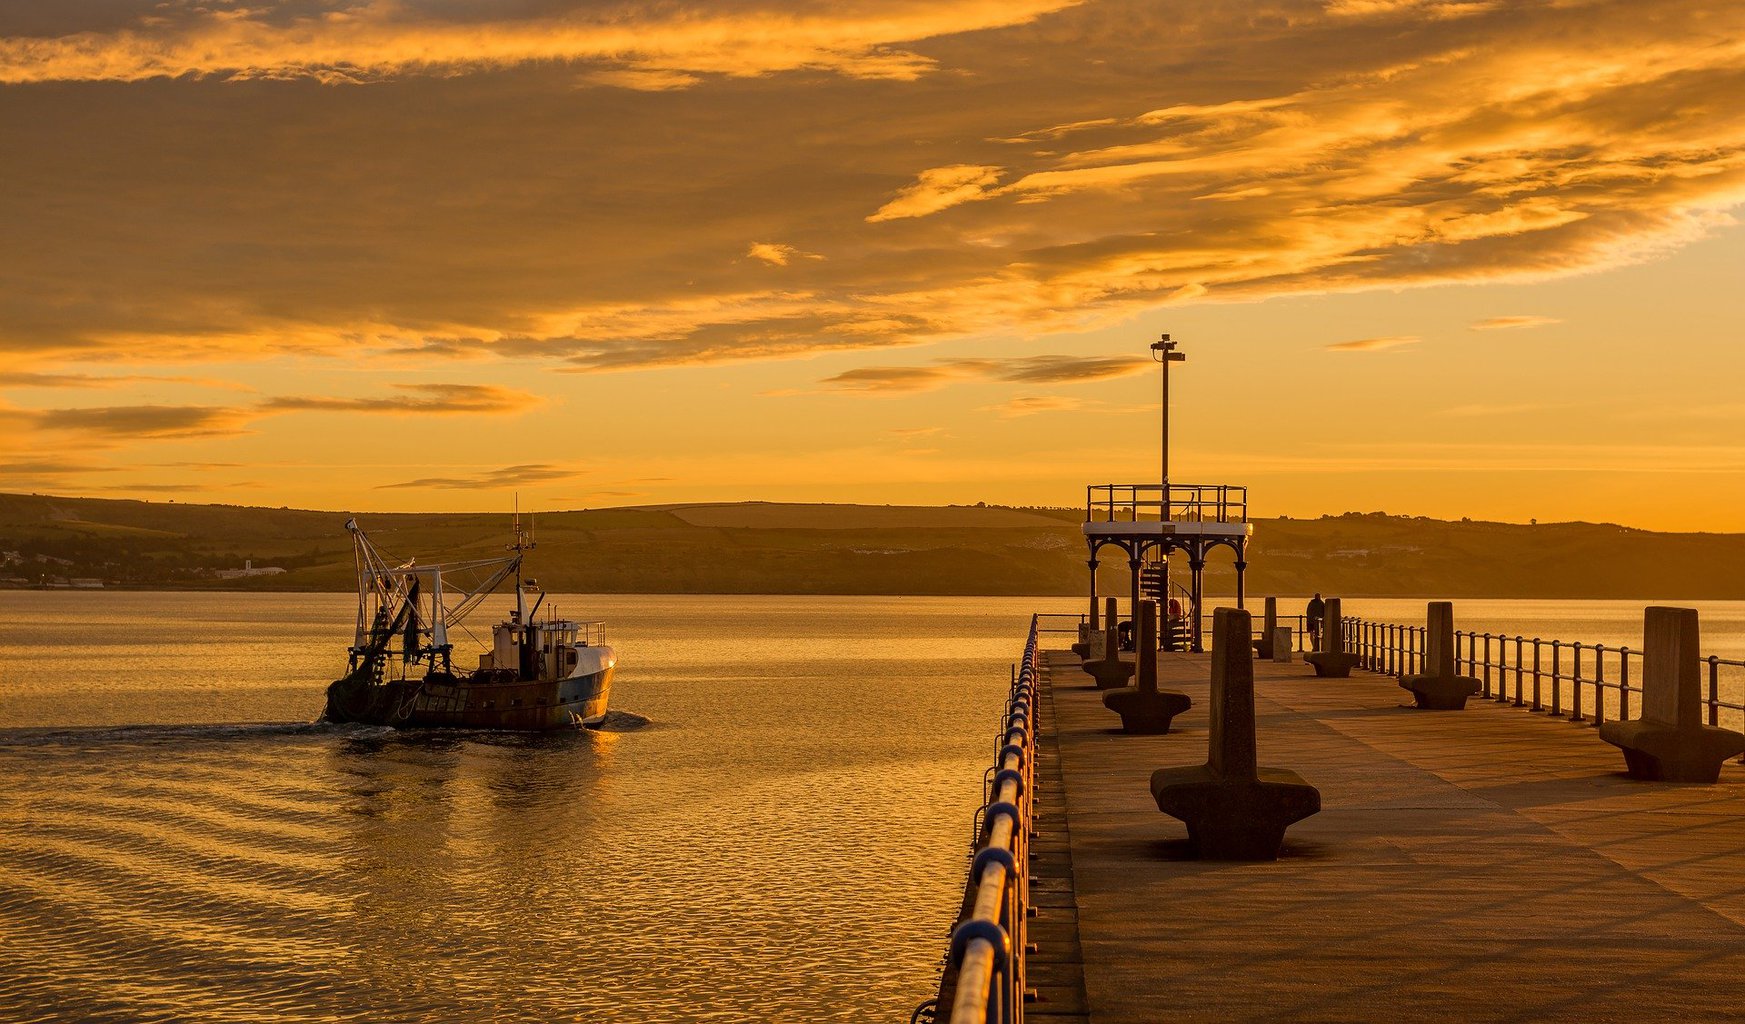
1133,564
1092,563
1241,568
1197,567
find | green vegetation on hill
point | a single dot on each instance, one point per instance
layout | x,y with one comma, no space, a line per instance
757,547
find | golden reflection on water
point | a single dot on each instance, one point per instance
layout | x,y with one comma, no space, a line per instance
783,839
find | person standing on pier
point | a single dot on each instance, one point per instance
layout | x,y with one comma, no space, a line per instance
1312,616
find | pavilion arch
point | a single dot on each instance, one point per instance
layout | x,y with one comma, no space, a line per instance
1191,519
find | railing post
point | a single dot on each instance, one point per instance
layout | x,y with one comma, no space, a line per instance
1623,684
1520,644
1599,684
1487,665
1556,679
1714,690
1537,706
1575,679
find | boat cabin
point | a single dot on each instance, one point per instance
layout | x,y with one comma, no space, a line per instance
550,649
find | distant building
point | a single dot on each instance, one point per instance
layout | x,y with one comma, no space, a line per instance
76,583
248,569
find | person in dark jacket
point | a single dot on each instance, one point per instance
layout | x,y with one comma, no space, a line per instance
1312,617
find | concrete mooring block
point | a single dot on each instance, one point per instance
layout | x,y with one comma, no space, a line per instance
1332,661
1670,742
1144,709
1440,687
1109,670
1234,809
1088,631
1263,647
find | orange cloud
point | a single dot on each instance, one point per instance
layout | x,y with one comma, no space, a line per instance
145,421
1036,183
939,188
647,49
1045,369
113,424
1503,323
1373,344
778,255
496,479
423,399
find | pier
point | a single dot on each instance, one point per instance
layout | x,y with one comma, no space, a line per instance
1491,864
1375,821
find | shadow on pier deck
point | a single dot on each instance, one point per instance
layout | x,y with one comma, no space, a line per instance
1486,865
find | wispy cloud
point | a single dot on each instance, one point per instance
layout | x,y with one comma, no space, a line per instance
29,471
939,188
1509,323
1374,344
368,40
1043,369
777,255
32,379
424,399
115,423
146,421
495,479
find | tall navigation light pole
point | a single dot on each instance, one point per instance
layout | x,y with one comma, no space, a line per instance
1163,351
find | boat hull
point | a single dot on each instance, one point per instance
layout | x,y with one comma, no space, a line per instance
458,702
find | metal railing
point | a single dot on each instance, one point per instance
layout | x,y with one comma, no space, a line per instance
1184,503
1064,622
1059,622
983,980
1595,679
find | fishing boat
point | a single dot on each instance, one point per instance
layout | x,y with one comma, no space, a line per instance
535,674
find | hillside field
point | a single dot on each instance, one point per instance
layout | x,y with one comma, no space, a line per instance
757,547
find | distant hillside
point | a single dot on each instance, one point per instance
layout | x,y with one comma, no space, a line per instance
758,547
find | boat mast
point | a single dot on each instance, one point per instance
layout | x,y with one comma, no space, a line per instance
521,544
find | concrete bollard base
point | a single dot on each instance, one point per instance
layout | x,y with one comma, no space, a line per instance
1657,752
1441,693
1146,714
1332,664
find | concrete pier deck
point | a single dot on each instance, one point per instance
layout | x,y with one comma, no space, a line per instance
1486,865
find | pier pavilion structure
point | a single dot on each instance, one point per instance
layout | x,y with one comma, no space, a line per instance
1157,520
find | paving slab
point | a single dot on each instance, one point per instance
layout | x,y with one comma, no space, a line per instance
1491,864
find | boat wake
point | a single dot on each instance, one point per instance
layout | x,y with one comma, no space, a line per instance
621,721
62,736
133,734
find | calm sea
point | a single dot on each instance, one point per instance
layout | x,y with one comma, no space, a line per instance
783,839
771,827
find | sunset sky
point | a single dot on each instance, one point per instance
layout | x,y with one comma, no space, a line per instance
1443,258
